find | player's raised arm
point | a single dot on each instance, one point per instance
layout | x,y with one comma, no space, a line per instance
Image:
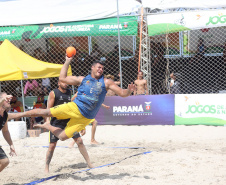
70,80
119,91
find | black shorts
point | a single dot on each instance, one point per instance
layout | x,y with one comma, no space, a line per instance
53,138
39,119
2,154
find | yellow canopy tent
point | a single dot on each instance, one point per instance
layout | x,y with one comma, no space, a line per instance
17,65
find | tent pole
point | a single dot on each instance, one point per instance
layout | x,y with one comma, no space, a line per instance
73,89
22,90
119,47
90,44
141,30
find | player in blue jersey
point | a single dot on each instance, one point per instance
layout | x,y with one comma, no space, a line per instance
91,94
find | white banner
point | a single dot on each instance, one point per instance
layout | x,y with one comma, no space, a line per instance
175,22
208,109
173,4
23,12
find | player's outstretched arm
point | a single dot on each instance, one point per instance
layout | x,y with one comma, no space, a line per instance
70,80
119,91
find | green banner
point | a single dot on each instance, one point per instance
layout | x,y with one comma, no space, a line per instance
104,27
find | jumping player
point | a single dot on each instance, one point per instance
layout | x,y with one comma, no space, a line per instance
91,94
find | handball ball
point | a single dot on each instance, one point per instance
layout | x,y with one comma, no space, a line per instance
70,51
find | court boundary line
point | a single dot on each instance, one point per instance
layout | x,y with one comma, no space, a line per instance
80,171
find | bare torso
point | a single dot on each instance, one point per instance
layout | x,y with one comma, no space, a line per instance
110,92
141,86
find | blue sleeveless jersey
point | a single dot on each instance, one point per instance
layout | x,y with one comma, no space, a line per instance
91,94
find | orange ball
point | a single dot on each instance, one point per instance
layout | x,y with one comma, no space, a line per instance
70,51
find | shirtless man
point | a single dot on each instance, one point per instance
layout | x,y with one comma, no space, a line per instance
141,85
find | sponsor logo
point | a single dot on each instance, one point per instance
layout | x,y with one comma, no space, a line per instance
198,17
221,19
108,27
201,109
99,84
3,33
133,110
87,82
70,28
148,106
206,109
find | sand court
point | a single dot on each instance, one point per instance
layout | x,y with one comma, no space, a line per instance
128,155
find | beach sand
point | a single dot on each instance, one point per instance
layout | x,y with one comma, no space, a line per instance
128,155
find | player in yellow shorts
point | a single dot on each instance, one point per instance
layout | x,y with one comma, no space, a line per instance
70,111
93,123
91,94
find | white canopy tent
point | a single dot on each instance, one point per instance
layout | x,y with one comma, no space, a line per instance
174,4
23,12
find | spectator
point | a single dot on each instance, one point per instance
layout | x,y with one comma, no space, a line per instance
32,86
200,51
201,46
141,85
38,105
46,87
16,106
174,84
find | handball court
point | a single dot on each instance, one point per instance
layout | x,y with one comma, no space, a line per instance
179,155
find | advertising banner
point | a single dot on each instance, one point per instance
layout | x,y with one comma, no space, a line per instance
180,21
138,110
102,27
203,109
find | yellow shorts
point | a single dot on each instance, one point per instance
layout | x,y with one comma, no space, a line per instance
71,111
